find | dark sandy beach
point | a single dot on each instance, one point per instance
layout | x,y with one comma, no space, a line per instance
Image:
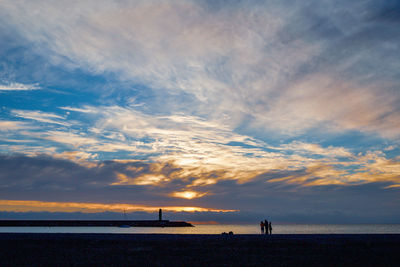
198,250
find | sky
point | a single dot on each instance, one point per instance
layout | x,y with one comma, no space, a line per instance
223,111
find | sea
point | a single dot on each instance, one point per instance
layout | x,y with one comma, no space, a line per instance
220,228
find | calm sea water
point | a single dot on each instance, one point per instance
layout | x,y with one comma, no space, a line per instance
218,229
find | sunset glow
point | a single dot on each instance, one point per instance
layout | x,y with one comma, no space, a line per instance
188,194
24,206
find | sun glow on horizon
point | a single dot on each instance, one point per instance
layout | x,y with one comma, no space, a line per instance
188,194
33,205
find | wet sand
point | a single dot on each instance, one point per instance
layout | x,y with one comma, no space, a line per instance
198,250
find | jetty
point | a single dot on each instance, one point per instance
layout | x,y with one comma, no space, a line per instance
93,223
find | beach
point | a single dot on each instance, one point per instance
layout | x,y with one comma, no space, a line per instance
34,249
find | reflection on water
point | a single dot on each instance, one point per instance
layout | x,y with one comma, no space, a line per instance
218,229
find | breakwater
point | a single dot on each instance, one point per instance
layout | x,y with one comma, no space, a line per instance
91,223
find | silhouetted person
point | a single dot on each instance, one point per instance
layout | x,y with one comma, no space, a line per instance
266,226
262,225
160,214
270,228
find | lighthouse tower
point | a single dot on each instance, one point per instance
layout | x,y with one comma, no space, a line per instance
160,214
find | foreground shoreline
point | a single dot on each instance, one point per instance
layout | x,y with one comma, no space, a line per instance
50,249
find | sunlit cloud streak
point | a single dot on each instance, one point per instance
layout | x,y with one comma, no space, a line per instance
41,117
12,125
18,87
23,205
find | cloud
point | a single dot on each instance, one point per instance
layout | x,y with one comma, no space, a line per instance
146,179
43,183
69,138
188,142
12,125
83,110
315,175
285,67
40,116
18,87
393,186
317,100
316,149
24,206
188,194
202,153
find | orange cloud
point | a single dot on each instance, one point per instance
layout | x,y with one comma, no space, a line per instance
33,205
145,179
393,186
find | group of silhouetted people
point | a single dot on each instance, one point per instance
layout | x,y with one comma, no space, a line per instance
266,227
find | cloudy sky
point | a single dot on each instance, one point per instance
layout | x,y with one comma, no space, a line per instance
227,111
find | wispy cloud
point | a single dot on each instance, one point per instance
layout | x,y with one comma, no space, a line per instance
12,125
315,149
204,153
393,186
26,205
83,110
284,66
40,116
70,138
19,87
